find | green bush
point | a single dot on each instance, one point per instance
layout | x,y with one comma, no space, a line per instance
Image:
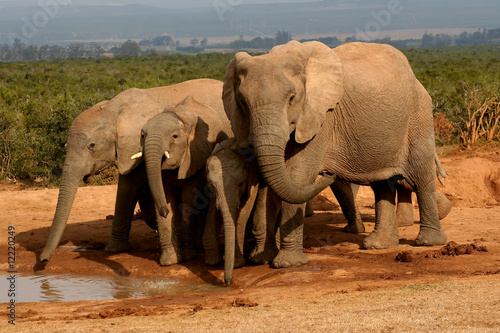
39,100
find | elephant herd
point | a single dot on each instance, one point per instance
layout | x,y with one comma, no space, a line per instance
289,124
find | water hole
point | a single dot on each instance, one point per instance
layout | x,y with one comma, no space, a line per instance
41,287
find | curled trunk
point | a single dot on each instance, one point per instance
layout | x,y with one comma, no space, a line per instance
153,151
270,140
69,185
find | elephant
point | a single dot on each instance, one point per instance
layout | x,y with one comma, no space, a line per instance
237,191
109,131
356,112
175,147
233,180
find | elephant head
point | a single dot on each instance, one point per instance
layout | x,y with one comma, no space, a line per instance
110,131
285,92
233,182
180,138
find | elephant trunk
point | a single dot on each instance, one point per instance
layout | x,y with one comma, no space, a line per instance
153,151
69,185
228,211
270,139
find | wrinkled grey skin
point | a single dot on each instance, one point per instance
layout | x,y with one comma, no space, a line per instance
234,183
175,145
356,112
109,132
233,178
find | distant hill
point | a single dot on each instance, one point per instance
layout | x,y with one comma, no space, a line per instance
83,20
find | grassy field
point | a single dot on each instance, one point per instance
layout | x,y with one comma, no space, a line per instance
39,100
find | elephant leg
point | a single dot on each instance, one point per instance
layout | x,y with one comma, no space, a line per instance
291,230
385,235
431,232
170,253
210,242
264,227
126,200
147,207
194,203
404,211
345,196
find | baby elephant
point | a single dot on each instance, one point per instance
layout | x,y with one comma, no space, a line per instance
234,183
175,148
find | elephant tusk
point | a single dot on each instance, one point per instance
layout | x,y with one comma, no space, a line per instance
167,155
136,156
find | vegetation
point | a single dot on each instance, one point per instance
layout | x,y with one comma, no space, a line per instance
460,80
40,99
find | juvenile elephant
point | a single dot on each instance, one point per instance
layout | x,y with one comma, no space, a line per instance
356,112
108,132
233,180
175,146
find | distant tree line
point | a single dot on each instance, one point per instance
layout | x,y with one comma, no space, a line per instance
481,37
21,52
266,43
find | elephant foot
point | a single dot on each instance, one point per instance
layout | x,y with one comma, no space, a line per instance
239,262
356,228
212,259
168,257
381,240
289,258
405,218
116,246
262,257
430,236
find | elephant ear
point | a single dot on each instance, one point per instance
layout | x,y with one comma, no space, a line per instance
239,123
323,88
134,110
198,147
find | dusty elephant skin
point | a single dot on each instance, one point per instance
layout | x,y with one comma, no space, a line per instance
357,112
176,144
234,183
109,132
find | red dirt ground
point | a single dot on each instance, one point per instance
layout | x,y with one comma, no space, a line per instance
337,264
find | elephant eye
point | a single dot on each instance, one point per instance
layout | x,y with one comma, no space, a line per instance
291,99
91,146
175,136
243,103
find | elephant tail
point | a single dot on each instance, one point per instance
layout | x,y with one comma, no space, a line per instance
439,169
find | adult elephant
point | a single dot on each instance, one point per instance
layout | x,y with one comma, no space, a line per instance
357,112
110,131
175,147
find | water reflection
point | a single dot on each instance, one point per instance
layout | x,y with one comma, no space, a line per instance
40,287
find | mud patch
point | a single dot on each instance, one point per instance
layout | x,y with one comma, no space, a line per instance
243,302
405,256
455,249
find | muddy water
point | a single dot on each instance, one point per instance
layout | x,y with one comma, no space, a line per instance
68,287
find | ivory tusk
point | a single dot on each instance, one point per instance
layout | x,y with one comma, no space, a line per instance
167,155
136,156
